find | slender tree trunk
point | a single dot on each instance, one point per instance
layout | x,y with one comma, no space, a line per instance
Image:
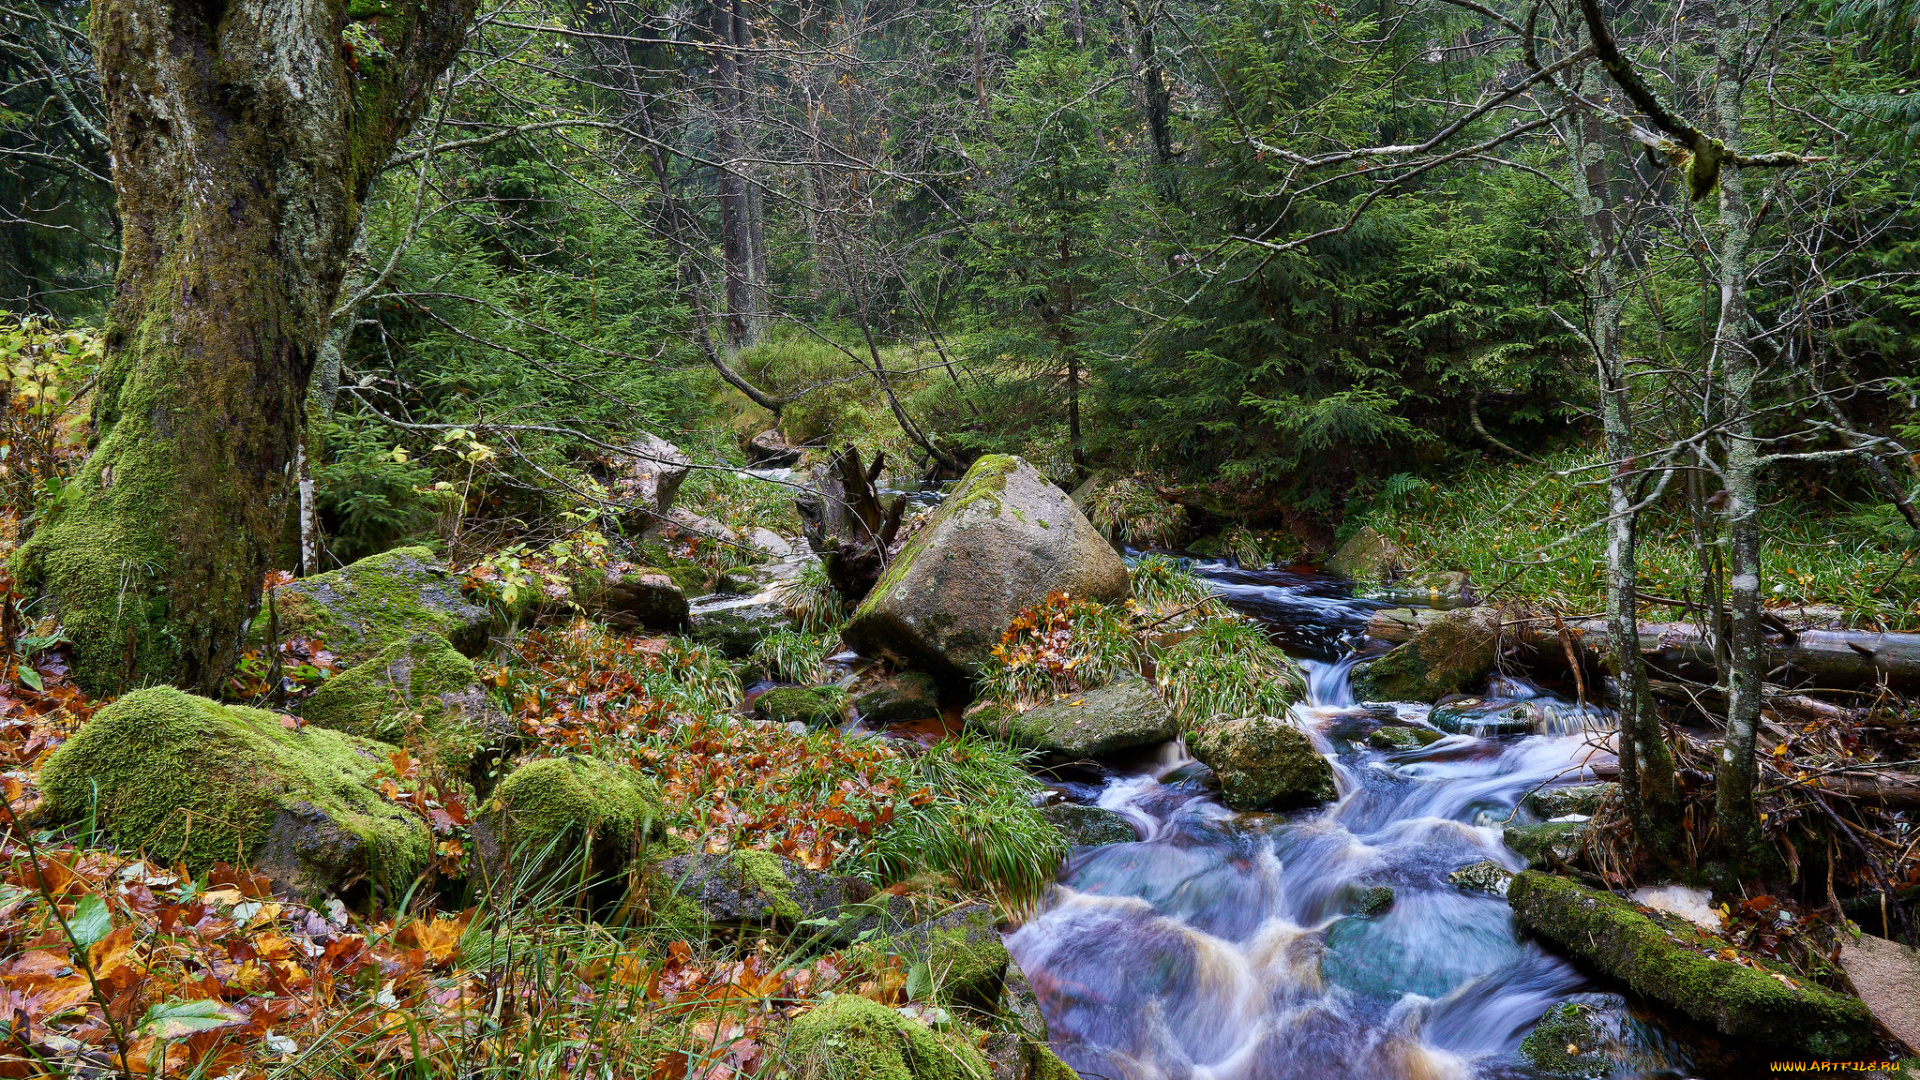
1735,818
1153,89
736,214
980,57
1647,781
245,136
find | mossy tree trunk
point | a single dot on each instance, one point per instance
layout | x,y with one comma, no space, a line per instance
245,135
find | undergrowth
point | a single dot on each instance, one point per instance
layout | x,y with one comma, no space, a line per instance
1524,530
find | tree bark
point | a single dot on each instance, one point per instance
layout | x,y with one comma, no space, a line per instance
1735,819
245,136
734,34
1647,782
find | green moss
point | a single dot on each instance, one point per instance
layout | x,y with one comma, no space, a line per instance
1665,964
404,683
1044,1064
1564,1044
985,482
1264,763
855,1038
969,963
361,609
565,804
1452,654
182,777
815,706
764,872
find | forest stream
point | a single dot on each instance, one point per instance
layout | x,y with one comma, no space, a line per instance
1233,946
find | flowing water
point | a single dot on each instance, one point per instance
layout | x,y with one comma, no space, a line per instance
1229,946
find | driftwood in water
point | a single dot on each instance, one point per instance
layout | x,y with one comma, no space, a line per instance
846,523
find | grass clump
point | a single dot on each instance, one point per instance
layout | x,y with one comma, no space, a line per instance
1130,511
795,656
1163,588
1227,667
970,816
811,601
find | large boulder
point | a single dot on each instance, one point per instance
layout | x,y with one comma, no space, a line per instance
1366,556
1125,714
359,610
187,779
681,523
848,1037
645,480
1000,543
1675,964
563,809
1264,763
632,599
1453,654
420,692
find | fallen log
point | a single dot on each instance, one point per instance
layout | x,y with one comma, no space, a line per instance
1834,657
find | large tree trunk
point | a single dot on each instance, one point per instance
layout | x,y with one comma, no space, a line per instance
245,136
735,35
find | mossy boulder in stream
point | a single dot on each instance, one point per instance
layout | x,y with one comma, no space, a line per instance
1451,655
419,692
1002,542
1566,1043
1089,826
910,695
1264,763
361,609
848,1037
1673,963
184,778
1125,714
814,706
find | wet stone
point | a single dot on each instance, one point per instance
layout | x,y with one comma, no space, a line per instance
1089,826
1582,799
1485,876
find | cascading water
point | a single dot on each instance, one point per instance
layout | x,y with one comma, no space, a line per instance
1227,946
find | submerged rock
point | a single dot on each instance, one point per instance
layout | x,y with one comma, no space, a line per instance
1451,655
1264,763
196,781
848,1037
641,598
1674,965
1125,714
910,695
361,609
1089,826
421,693
1002,541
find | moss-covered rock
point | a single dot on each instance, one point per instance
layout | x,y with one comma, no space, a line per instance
1451,655
910,695
1565,1043
734,625
1485,876
1439,589
962,952
1264,763
1486,718
1089,826
1547,843
566,808
1366,556
746,887
1002,542
1584,799
1673,964
855,1038
643,598
182,777
359,610
421,693
1402,738
1125,714
814,706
